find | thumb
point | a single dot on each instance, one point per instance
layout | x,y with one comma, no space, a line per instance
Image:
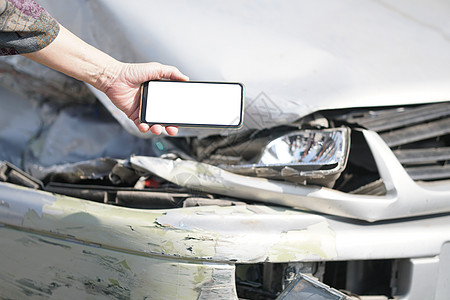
170,72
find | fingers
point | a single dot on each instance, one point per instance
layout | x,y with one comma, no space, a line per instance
158,129
157,71
172,73
172,130
143,127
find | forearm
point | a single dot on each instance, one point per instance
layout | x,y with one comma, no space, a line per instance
72,56
119,81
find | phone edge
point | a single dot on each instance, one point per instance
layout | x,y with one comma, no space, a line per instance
143,108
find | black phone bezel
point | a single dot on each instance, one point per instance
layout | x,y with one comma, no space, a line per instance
143,106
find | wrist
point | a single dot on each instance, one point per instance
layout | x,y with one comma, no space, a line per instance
105,73
72,56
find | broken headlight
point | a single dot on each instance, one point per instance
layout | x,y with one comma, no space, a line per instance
314,156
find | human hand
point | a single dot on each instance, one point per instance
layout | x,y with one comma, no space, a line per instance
124,90
121,82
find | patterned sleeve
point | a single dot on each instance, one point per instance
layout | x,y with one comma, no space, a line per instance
25,27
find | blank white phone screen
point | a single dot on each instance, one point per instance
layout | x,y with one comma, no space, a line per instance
194,103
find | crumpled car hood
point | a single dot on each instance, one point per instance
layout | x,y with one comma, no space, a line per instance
294,57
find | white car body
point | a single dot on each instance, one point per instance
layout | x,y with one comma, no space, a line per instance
296,58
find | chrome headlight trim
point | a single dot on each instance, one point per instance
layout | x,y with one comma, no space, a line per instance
305,147
302,154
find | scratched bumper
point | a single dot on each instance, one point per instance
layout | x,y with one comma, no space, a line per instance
55,245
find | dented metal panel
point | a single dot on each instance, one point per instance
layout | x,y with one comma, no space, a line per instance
187,233
235,234
94,250
43,267
404,197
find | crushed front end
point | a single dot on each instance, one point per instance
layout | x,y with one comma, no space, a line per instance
226,225
337,185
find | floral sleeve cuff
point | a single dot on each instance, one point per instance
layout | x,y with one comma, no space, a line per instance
25,27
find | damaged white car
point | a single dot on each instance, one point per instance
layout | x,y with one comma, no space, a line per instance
336,187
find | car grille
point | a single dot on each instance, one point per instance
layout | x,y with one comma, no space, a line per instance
418,136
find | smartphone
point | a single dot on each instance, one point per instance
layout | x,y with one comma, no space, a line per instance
192,103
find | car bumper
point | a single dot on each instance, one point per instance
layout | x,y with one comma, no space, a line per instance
55,245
